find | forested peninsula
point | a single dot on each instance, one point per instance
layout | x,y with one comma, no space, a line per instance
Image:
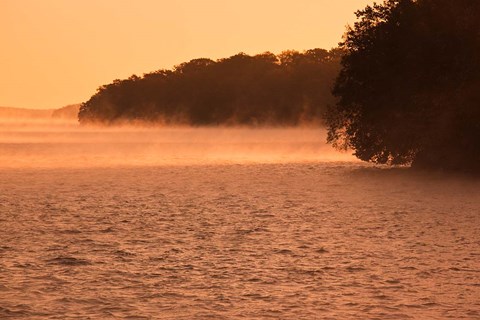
287,89
403,88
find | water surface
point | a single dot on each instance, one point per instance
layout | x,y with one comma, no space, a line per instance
227,224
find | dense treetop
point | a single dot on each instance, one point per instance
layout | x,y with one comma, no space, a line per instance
409,86
265,89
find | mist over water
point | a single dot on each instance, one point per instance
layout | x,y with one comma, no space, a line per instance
49,143
226,223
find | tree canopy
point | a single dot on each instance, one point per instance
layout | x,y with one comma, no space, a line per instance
265,89
409,86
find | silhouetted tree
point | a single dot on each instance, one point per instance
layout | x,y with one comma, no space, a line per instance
409,87
264,89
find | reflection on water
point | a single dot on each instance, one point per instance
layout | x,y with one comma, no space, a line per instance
212,227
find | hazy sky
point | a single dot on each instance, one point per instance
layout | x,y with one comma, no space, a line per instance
57,52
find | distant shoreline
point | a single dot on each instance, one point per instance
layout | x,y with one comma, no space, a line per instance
66,112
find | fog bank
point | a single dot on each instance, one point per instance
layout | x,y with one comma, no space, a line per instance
63,143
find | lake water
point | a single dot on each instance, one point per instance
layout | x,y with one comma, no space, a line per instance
181,223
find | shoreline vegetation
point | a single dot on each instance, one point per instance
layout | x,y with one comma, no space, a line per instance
289,89
409,86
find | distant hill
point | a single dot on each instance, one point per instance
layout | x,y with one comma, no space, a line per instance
67,112
9,112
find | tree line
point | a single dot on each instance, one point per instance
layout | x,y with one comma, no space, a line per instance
265,89
409,86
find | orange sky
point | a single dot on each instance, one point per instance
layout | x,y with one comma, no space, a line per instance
57,52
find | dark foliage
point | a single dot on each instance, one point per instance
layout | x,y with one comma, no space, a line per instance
409,87
265,89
